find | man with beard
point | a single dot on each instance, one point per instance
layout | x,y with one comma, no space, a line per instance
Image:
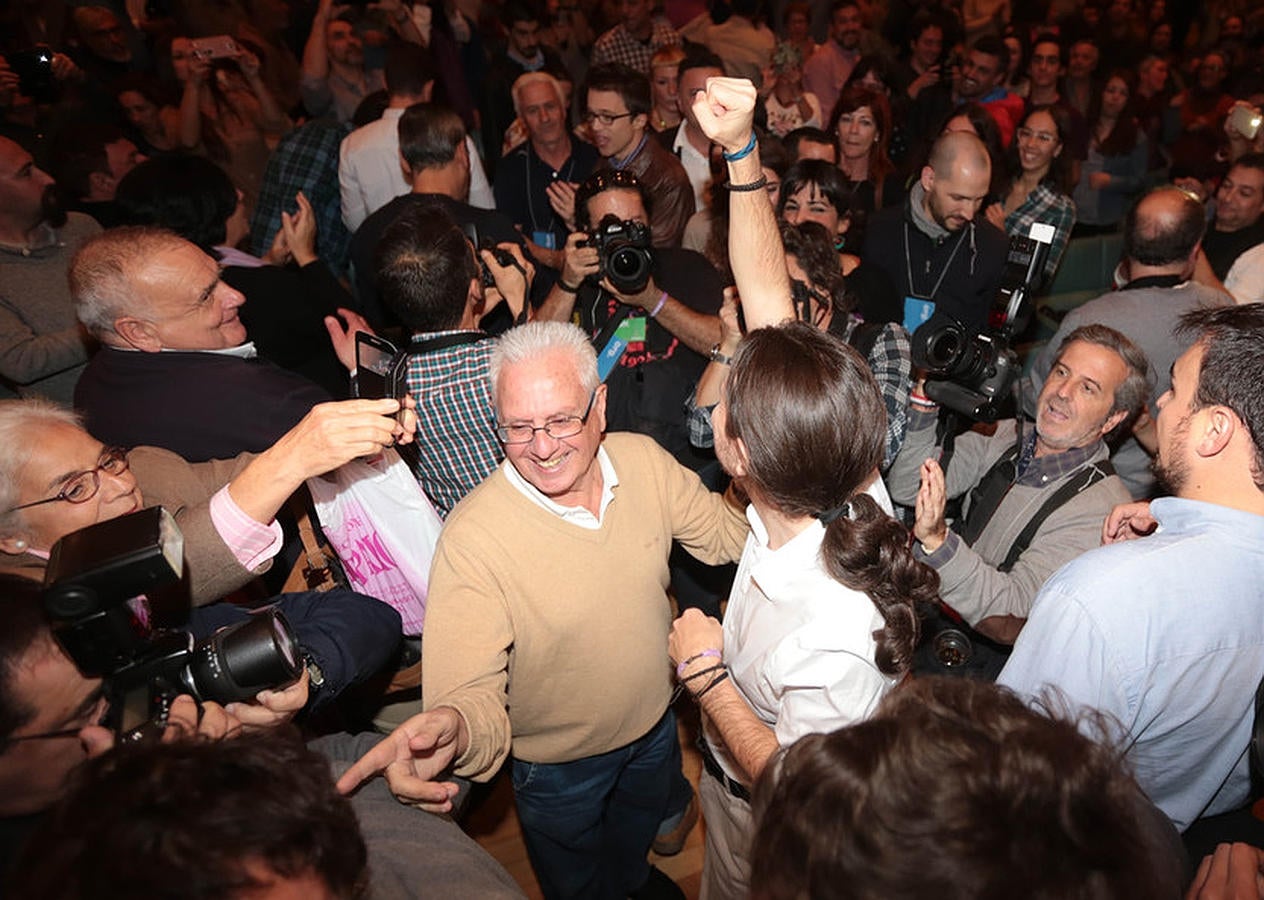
938,257
1163,634
1035,496
42,346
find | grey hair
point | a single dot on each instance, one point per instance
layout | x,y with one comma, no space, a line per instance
103,273
529,78
537,339
17,420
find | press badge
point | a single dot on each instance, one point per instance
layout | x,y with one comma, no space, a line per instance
916,312
545,239
632,330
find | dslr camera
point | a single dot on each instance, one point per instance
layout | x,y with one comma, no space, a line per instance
92,578
34,68
972,372
624,252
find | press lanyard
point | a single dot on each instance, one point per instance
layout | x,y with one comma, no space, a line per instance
565,176
908,265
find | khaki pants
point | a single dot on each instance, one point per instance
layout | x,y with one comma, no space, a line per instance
726,865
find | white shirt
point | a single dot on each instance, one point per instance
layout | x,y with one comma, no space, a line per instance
370,174
799,645
576,515
696,164
1245,280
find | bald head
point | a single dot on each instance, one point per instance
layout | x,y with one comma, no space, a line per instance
956,179
1163,230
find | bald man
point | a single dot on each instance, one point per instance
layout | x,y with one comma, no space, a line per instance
941,255
1162,236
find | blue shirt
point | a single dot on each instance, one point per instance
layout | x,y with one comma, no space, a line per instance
1165,634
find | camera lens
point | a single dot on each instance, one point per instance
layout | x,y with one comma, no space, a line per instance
629,269
239,661
953,648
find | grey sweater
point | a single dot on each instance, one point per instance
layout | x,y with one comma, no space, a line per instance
43,348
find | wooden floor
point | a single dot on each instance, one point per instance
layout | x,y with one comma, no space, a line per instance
493,822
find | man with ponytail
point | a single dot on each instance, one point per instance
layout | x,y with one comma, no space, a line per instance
821,622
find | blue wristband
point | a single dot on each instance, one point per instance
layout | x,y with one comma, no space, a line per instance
743,153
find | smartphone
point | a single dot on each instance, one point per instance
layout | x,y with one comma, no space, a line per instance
34,68
1246,120
218,47
381,370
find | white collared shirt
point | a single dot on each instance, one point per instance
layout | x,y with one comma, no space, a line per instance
576,515
696,164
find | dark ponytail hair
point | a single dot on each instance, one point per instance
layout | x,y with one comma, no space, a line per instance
810,416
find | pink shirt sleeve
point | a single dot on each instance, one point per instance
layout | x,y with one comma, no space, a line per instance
252,543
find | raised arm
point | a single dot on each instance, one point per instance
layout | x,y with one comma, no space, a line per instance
725,112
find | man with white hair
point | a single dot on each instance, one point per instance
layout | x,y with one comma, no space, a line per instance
586,712
536,181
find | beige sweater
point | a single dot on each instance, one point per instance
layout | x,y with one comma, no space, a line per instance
552,637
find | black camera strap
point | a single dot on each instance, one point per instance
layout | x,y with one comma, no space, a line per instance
1087,477
987,495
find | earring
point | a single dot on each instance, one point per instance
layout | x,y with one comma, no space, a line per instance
21,545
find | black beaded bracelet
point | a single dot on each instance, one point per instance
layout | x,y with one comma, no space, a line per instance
760,182
563,286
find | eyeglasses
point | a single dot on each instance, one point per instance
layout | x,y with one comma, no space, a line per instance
1042,137
556,428
100,713
606,119
83,486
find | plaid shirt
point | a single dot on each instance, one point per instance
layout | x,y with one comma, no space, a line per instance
892,364
456,419
1049,207
306,160
617,45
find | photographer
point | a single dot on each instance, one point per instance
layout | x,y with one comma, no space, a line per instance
49,715
669,319
1054,477
226,510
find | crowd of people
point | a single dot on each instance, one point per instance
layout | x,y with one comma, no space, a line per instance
654,274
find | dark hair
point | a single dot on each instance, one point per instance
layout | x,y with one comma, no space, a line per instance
1024,53
197,819
520,11
24,626
1232,369
828,179
957,789
796,6
1249,161
1048,37
810,416
853,98
1122,139
1133,390
423,266
187,194
632,86
409,68
1059,175
698,57
78,153
370,108
993,45
922,21
813,246
1159,241
808,133
429,135
876,64
602,181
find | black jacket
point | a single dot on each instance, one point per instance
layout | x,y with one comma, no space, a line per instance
969,286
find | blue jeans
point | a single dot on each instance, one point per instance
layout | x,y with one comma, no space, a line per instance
588,824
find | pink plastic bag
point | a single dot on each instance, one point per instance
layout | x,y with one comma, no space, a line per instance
384,529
